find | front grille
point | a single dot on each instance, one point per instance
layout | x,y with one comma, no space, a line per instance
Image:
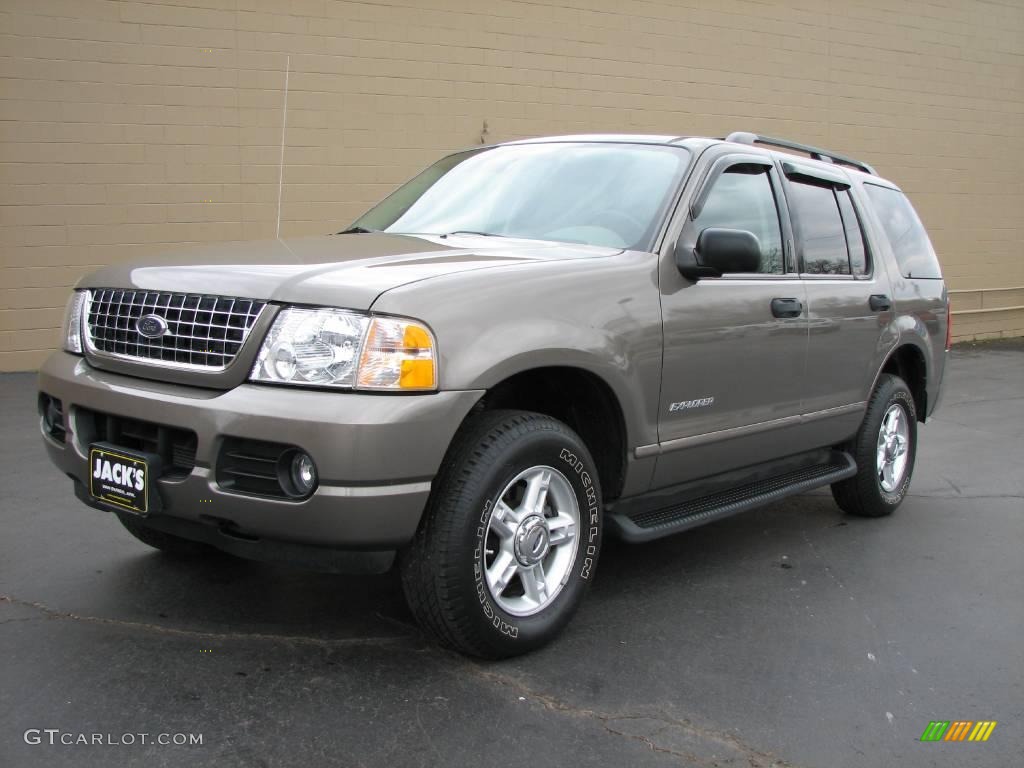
202,332
175,446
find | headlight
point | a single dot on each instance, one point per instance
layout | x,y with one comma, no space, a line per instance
341,348
73,322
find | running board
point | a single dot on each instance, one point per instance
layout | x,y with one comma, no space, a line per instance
648,524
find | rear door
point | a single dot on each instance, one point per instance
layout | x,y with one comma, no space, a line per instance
849,301
919,292
732,370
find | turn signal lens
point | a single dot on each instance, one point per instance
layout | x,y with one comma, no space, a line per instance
73,322
397,355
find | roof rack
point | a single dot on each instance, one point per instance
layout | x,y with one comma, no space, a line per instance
743,137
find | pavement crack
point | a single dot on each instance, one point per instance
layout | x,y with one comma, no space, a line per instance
953,497
967,426
614,723
956,488
979,401
52,613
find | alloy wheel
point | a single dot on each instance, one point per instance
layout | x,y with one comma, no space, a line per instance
893,448
531,540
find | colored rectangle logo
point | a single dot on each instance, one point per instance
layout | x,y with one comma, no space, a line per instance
959,730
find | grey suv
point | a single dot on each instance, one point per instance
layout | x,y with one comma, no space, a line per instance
523,348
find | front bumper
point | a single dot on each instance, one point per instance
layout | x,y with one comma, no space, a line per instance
376,454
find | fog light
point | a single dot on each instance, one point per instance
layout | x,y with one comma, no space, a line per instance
302,473
51,414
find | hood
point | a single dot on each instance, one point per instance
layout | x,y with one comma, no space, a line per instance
335,270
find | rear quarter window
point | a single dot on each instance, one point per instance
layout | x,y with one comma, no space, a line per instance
906,234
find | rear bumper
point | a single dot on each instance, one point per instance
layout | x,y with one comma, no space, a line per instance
376,454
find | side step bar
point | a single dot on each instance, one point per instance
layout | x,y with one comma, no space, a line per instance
639,526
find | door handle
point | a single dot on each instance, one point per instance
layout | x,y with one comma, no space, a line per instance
879,302
787,307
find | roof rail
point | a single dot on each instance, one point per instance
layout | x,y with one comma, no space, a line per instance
743,137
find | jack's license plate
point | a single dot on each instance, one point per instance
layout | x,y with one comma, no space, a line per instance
119,478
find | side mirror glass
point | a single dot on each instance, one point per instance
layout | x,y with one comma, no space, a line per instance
718,252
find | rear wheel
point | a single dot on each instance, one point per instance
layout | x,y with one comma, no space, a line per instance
884,448
175,546
510,537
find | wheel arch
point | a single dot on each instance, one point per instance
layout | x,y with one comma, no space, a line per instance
580,398
908,361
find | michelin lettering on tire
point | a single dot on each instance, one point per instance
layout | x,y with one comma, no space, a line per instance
506,628
593,516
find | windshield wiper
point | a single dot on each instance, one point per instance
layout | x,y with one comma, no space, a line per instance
357,231
471,232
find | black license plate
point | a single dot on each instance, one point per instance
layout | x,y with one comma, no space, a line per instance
120,478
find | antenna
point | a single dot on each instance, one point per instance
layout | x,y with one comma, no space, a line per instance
284,124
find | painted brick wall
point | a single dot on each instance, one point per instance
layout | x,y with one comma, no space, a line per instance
129,127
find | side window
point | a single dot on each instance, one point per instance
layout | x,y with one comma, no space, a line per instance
909,241
821,236
742,198
854,234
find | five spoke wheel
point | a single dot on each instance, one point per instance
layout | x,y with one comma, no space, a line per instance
893,445
530,543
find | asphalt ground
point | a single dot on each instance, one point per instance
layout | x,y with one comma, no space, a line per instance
792,635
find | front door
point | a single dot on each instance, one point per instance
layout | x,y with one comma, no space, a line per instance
735,346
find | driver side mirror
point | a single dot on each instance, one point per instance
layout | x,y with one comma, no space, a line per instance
718,252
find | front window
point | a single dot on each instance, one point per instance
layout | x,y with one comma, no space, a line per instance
606,194
742,198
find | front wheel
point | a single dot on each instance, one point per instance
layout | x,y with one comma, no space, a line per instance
510,537
884,449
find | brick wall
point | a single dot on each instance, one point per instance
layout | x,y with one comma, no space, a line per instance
129,127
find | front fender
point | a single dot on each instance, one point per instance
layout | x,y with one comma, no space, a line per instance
599,315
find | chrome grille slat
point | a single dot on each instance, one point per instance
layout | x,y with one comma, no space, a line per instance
204,332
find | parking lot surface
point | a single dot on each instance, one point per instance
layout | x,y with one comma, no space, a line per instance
793,635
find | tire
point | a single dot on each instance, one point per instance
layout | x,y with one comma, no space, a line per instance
175,546
872,493
471,574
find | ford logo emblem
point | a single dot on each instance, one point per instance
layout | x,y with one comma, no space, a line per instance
151,326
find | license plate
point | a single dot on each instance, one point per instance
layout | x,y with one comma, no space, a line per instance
119,478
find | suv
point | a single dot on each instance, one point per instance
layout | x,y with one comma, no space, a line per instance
525,347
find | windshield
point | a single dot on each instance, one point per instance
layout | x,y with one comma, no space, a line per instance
597,194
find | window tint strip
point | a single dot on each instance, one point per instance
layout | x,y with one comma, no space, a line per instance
854,234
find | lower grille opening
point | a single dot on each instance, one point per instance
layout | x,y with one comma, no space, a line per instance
51,414
256,467
175,446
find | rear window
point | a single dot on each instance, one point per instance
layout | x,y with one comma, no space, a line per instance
909,241
822,238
